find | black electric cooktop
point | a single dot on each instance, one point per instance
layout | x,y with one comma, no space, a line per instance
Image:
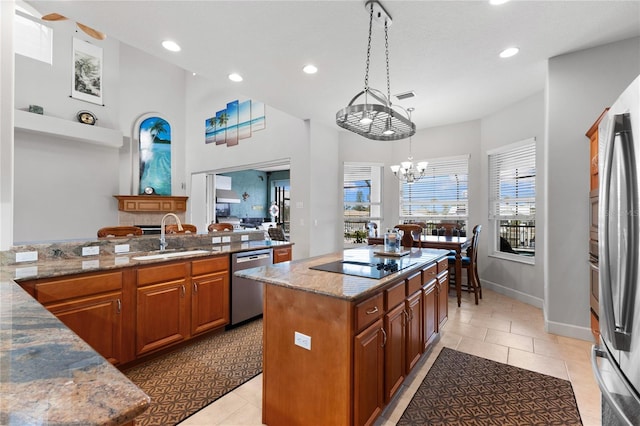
375,268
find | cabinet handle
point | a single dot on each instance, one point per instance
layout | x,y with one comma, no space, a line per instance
384,337
119,306
184,291
372,311
411,317
406,317
195,287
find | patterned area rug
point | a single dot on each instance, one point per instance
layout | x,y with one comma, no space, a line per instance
183,382
462,389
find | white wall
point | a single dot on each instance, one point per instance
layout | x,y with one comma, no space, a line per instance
150,85
580,85
6,124
325,191
522,120
56,179
285,136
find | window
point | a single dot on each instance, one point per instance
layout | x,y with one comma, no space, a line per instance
440,196
31,37
512,198
362,199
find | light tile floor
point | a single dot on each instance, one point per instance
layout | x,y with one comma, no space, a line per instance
499,328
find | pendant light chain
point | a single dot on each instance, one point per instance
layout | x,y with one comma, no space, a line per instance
386,53
375,118
366,74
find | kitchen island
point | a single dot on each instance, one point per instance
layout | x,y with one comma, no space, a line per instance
338,346
50,375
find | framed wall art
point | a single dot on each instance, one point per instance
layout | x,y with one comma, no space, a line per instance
238,121
86,82
155,155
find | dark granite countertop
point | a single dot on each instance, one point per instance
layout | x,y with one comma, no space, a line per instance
49,376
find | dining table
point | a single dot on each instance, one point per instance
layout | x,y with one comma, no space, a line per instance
455,244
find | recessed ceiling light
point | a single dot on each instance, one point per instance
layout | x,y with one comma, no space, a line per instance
171,46
235,77
497,2
509,52
310,69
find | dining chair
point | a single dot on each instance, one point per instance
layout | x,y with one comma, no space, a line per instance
410,233
447,229
172,228
119,231
277,233
470,263
220,227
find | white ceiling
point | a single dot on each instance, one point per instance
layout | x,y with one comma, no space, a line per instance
444,51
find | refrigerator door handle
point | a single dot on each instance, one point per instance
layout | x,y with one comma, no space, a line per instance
619,334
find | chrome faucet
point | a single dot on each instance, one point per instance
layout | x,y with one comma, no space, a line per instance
163,241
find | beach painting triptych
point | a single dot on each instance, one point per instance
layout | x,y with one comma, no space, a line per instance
237,121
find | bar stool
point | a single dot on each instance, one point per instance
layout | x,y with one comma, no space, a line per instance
470,263
119,231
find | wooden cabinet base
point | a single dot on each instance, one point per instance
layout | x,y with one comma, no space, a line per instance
359,355
300,385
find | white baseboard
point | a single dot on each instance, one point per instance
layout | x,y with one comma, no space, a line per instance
567,330
514,294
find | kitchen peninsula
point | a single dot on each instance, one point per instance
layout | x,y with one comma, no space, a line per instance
338,345
50,374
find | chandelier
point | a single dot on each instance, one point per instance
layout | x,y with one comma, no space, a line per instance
377,120
406,171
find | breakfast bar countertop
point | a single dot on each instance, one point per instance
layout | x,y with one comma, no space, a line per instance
298,275
50,376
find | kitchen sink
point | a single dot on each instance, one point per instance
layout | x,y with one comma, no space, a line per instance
169,255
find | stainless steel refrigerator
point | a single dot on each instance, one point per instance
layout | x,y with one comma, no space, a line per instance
616,359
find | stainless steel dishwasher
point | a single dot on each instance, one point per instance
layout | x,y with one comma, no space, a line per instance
246,295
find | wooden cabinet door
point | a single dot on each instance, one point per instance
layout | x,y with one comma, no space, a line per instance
368,374
413,307
161,315
97,320
282,254
394,350
430,312
210,302
443,299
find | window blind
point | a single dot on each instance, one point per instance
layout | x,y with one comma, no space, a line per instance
362,191
512,182
441,194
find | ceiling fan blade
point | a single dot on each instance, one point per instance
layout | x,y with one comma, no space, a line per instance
93,33
54,17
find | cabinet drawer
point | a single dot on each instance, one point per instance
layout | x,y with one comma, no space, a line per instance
429,273
368,311
78,287
414,283
162,273
443,265
282,254
394,295
207,266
